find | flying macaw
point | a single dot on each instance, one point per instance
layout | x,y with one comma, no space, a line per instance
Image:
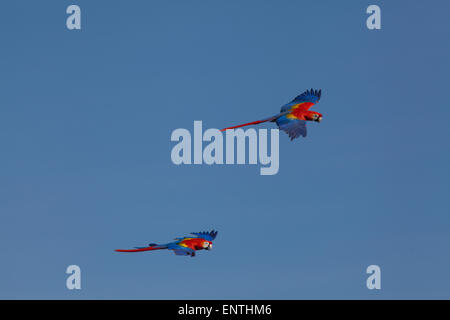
293,115
185,246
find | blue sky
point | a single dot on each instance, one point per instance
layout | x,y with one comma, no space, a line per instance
85,124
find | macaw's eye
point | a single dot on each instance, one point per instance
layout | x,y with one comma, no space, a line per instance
205,244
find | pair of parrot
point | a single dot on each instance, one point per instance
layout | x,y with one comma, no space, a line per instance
291,119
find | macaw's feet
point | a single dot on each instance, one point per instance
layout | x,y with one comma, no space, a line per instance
193,254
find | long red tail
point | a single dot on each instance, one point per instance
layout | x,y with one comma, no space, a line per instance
139,249
257,122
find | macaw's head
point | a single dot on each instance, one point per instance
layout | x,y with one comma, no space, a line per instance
316,116
207,245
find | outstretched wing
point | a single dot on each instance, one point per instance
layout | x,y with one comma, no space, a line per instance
293,127
303,101
210,236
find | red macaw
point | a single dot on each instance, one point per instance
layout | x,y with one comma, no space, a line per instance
293,115
185,246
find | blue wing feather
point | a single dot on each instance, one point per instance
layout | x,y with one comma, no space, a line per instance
293,127
307,96
180,250
210,236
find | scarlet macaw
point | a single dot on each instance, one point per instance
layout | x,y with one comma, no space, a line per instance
185,246
293,115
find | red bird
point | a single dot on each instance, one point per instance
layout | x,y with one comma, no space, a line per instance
185,246
293,115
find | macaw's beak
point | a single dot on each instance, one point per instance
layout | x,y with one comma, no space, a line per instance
209,247
319,119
